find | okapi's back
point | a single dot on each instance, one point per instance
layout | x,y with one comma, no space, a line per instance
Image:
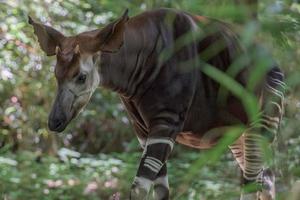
158,70
154,38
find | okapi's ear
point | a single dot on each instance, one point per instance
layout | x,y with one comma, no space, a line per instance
48,37
111,36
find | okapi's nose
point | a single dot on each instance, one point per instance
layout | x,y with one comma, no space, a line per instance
56,123
57,119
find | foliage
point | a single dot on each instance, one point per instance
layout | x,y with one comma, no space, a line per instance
27,87
72,175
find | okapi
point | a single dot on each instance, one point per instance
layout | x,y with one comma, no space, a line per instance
154,62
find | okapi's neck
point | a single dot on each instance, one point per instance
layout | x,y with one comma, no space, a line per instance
129,70
113,72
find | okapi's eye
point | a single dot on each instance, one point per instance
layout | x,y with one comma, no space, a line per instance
81,79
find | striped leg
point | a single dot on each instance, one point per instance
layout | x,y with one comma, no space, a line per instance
237,150
154,157
249,155
253,160
255,169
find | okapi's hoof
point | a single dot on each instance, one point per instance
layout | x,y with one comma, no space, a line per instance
137,193
161,192
265,195
249,196
267,191
268,186
261,195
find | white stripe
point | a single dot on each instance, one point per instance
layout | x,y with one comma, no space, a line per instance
280,73
154,164
270,123
269,129
151,168
277,92
274,119
282,84
168,141
155,159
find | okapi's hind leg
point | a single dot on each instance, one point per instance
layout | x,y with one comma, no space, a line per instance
249,149
253,169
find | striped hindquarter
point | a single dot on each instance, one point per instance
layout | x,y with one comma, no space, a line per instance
249,150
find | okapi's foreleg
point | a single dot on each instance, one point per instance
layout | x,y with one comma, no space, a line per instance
161,184
251,160
152,168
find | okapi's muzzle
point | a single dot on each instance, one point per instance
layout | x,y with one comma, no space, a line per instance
62,112
57,123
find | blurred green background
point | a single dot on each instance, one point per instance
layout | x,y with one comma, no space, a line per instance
97,156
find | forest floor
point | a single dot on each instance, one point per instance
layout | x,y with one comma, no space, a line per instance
71,175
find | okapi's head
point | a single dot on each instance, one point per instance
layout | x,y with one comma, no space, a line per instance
76,72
